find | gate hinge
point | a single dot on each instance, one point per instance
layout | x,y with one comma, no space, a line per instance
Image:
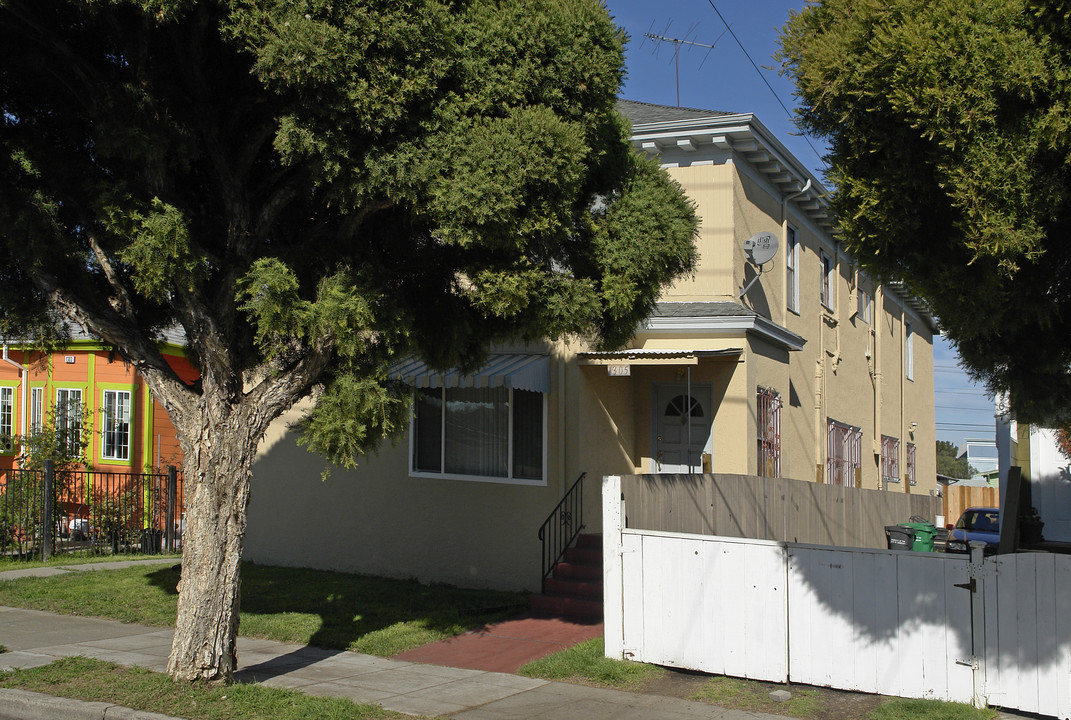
971,662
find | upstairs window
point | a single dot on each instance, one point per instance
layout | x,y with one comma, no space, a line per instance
909,352
116,437
69,419
792,261
909,460
826,281
865,309
37,410
7,418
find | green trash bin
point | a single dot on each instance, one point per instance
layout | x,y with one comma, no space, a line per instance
924,535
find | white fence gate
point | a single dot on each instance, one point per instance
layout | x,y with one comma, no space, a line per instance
881,621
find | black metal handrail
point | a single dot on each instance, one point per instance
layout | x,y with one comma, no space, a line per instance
565,523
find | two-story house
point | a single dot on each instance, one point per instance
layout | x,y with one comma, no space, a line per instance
801,367
84,392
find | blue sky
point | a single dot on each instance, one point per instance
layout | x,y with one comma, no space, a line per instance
726,78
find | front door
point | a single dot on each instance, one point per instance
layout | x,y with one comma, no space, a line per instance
682,422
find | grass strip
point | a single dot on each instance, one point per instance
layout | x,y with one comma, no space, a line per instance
79,558
98,681
744,695
906,709
377,616
586,662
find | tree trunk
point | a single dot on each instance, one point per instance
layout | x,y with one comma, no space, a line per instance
217,473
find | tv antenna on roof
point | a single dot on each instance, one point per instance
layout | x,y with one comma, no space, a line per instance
760,249
677,42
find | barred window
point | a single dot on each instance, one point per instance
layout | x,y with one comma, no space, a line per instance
890,459
769,432
843,453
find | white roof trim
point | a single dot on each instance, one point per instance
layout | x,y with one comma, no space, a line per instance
520,371
654,357
730,325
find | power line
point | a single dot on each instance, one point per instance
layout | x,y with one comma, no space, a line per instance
773,92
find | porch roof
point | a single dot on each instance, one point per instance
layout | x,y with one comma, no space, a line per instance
654,357
718,318
520,371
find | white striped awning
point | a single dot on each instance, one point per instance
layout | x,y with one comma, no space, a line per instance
520,371
655,357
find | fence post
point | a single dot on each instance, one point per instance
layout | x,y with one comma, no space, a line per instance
46,514
169,514
613,521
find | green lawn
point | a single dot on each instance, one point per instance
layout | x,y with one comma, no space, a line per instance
98,681
367,614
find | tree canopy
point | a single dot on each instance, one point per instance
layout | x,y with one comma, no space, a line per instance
950,141
309,190
949,463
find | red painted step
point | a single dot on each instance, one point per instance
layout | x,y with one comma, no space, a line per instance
573,571
584,556
566,607
573,588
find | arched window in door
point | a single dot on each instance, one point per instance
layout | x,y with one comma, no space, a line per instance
683,406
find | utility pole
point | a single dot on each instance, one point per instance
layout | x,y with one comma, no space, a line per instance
677,42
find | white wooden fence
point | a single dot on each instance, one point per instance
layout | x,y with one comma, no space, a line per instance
881,621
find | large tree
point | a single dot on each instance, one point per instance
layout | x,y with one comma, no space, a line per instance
950,142
310,189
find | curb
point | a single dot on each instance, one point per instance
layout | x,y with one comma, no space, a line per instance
25,705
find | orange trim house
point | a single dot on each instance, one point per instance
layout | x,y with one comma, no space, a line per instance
129,432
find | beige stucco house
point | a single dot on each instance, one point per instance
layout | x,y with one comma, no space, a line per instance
802,368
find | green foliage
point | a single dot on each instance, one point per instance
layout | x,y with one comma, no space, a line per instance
950,141
949,463
908,709
22,501
379,616
587,661
313,189
753,696
151,692
352,417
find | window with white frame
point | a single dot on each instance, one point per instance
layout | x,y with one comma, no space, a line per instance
7,417
69,419
37,410
909,460
792,262
909,352
890,459
115,438
826,281
493,434
769,432
865,298
844,453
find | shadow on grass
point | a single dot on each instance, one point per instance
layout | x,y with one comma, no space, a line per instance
342,611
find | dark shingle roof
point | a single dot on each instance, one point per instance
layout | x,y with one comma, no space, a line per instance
641,112
706,308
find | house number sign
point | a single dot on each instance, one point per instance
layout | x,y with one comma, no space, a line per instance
618,370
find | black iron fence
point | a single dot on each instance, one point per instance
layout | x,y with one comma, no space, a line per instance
49,512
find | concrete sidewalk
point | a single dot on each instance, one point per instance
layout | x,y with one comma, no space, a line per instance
36,638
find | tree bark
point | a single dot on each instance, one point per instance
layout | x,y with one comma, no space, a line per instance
217,477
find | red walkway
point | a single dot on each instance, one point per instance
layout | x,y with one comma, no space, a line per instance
505,646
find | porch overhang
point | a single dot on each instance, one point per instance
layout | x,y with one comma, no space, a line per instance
520,371
714,318
654,357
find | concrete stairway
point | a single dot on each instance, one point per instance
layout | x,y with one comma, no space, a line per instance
574,589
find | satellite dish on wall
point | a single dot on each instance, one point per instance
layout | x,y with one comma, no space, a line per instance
761,248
